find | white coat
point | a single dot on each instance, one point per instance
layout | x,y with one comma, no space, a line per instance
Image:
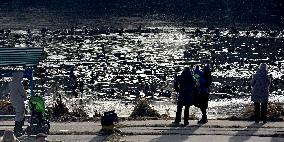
18,95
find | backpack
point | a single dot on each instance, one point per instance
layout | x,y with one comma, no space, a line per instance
109,118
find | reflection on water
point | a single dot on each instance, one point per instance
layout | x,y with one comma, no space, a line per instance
111,69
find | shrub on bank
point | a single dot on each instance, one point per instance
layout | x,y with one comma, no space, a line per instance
58,109
6,108
60,112
143,109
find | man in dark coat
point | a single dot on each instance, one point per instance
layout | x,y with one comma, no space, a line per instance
184,85
260,92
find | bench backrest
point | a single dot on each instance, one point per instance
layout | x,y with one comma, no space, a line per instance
20,56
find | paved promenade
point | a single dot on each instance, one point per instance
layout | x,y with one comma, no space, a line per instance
163,131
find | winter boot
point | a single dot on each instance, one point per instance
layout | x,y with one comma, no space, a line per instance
264,119
18,129
175,124
186,123
203,120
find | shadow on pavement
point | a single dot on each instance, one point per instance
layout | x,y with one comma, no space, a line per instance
27,138
98,138
277,139
1,132
177,130
244,135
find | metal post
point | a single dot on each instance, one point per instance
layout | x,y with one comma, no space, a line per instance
31,80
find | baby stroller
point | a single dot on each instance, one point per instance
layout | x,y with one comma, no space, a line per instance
39,122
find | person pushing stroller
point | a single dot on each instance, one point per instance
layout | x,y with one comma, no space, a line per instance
18,96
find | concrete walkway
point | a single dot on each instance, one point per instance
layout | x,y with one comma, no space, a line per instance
163,131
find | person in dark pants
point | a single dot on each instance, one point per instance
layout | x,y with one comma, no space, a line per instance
18,96
205,81
260,83
184,85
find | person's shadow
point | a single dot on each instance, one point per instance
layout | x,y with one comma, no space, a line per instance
182,131
277,139
98,138
244,135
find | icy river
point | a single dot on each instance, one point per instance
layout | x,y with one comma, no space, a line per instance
110,69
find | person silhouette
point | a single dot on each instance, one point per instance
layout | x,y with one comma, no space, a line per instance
260,83
184,86
205,83
17,97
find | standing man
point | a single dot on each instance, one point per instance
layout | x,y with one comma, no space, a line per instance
17,97
260,92
184,85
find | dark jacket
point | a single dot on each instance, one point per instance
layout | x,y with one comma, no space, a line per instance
202,81
184,85
207,79
260,86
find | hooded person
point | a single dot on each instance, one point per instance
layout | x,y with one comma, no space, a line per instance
17,97
197,71
8,136
184,86
203,96
260,92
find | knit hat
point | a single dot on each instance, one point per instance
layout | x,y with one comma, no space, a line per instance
263,66
206,67
8,136
40,135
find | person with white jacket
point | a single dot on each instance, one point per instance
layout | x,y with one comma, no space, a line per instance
18,97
